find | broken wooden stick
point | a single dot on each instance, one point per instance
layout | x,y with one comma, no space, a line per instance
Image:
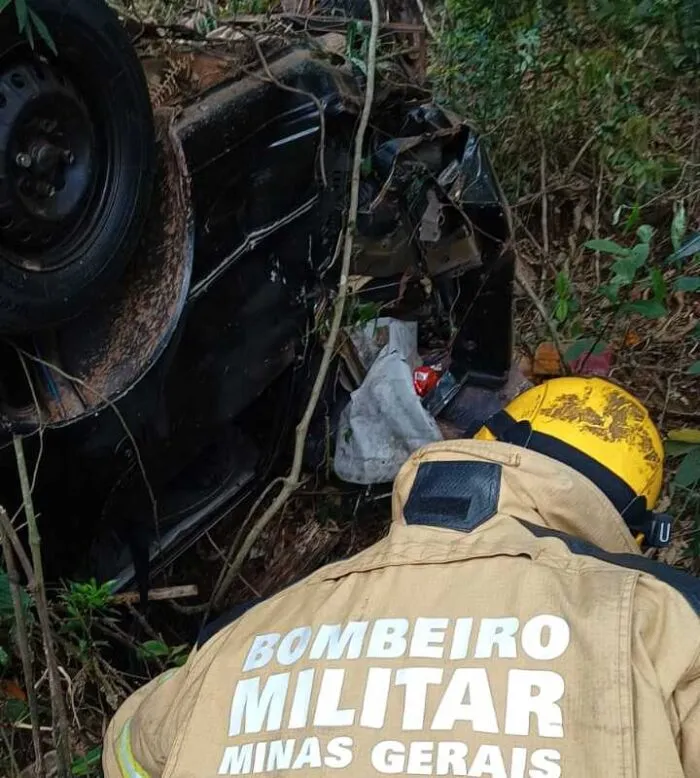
166,593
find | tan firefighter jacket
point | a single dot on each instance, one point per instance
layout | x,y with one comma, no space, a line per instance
506,627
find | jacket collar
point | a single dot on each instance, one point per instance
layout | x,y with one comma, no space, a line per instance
533,488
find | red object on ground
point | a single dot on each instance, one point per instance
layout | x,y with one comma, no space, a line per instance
595,364
425,379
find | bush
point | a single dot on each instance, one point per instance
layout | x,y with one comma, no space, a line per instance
618,75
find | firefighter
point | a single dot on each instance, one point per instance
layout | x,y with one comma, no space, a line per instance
508,626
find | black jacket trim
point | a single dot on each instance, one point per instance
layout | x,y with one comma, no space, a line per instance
684,583
210,629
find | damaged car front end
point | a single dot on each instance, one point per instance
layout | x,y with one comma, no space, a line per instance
162,407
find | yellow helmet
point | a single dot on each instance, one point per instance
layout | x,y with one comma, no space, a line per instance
600,430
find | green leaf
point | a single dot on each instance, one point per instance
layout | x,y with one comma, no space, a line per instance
4,4
633,218
366,312
6,609
580,347
180,654
688,472
625,270
561,284
651,309
360,64
4,657
83,765
658,284
687,284
43,31
607,247
685,435
155,648
561,311
640,253
694,369
678,226
15,710
610,291
22,15
676,448
644,233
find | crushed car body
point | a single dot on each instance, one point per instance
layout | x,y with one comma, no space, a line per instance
164,405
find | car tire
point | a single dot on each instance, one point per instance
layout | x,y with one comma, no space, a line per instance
77,161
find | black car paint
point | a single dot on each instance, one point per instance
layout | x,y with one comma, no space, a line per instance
208,402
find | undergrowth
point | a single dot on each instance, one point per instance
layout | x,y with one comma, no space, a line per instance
92,646
591,110
620,75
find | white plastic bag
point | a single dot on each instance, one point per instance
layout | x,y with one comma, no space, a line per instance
384,422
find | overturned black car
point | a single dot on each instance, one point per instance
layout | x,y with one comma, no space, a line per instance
159,341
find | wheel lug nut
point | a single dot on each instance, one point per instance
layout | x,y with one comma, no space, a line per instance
23,160
45,189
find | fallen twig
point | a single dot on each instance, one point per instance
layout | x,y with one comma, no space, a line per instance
58,703
37,408
167,593
426,21
579,155
539,305
148,629
122,421
662,415
544,216
292,481
6,535
24,725
244,526
321,22
10,750
596,223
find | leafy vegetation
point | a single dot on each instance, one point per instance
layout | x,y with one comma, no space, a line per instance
590,111
29,22
569,72
87,622
635,286
683,446
86,605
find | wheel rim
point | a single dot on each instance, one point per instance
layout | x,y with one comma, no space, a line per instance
51,175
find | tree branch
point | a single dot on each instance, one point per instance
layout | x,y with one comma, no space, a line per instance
292,481
58,703
539,305
10,533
